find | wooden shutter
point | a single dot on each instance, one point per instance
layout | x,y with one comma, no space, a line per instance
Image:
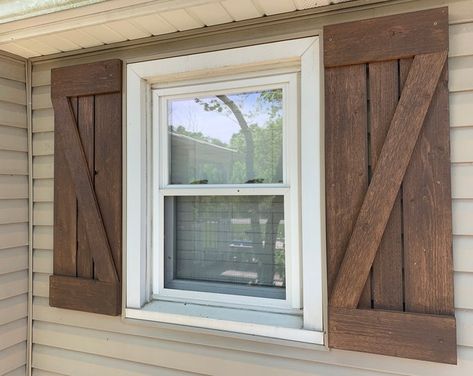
87,105
389,231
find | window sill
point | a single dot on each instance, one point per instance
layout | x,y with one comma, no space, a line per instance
249,322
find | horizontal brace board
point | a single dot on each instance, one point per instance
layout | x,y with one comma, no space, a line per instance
84,295
402,334
386,38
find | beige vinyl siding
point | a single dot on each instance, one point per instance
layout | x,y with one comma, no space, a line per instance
13,217
72,342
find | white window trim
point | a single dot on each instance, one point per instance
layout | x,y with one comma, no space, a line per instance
302,54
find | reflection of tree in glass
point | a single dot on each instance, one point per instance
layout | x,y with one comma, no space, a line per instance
260,145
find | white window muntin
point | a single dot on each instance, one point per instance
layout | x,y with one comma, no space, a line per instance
289,189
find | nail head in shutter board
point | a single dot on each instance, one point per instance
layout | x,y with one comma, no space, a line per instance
346,150
386,38
383,189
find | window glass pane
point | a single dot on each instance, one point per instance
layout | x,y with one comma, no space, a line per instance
226,244
226,139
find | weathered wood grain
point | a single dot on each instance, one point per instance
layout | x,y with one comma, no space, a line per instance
65,209
386,38
75,293
87,79
406,335
387,281
85,123
108,172
384,187
69,140
427,214
346,158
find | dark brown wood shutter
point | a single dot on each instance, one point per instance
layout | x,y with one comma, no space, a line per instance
87,104
389,231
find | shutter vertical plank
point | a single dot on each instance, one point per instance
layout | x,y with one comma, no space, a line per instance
387,267
346,158
427,213
65,213
387,178
86,131
108,177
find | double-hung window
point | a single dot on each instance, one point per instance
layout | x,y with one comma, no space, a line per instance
224,207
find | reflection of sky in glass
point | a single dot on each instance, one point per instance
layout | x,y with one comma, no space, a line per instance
219,125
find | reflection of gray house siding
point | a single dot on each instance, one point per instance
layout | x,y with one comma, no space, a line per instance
190,156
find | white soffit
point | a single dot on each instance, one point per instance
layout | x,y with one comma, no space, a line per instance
105,22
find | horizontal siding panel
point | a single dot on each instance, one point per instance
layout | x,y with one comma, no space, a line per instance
12,138
463,253
40,75
461,140
54,361
13,284
43,261
13,163
43,120
465,327
42,312
12,333
13,211
462,217
43,143
43,237
12,91
13,260
21,371
460,12
40,372
12,358
43,167
13,235
460,73
14,308
41,285
43,214
461,36
463,292
41,97
462,180
43,190
170,355
12,70
13,115
461,113
13,187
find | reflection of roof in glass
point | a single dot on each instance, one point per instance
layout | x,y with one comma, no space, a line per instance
213,150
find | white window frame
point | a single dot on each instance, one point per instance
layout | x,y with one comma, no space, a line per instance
289,188
300,55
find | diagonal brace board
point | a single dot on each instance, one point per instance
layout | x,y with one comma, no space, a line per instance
70,142
387,178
